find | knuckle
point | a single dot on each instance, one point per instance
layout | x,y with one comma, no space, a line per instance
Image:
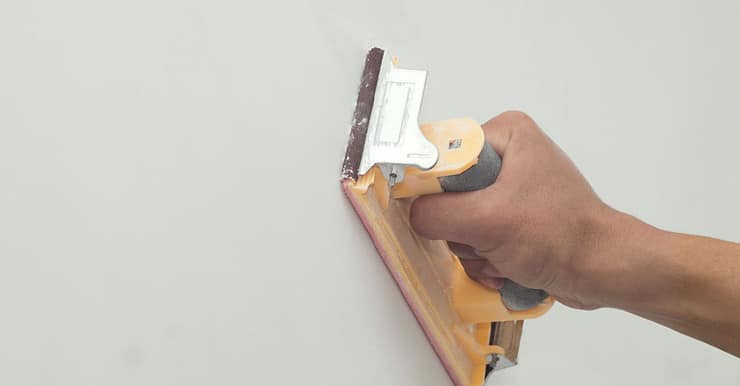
518,120
517,116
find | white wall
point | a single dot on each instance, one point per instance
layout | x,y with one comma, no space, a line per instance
170,212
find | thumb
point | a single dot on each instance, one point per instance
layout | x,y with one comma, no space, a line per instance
449,216
465,218
462,217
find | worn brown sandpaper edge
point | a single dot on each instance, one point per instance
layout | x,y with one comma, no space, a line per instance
361,116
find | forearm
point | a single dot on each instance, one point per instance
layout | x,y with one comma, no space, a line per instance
688,283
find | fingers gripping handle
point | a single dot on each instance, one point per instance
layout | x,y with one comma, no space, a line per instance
480,176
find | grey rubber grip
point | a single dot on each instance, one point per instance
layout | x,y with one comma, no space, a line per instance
480,176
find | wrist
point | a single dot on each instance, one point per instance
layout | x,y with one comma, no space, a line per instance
621,259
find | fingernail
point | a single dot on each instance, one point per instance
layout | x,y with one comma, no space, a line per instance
490,270
492,282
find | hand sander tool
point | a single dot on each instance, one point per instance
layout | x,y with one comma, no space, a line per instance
391,159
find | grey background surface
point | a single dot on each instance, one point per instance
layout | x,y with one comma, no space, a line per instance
170,212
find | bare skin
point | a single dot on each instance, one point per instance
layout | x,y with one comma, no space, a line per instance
541,225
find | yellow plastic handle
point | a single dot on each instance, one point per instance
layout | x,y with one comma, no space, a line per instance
459,142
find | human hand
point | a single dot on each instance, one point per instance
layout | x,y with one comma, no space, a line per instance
538,224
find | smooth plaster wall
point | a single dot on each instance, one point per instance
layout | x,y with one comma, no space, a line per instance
170,212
